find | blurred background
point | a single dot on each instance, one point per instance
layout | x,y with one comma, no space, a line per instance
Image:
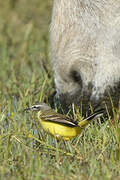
24,48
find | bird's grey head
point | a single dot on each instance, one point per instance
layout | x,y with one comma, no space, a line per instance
38,107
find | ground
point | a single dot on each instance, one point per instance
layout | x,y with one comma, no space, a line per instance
26,77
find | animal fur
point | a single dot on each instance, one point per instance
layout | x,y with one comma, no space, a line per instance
85,48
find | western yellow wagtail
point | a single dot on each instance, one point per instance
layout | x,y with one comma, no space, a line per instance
59,125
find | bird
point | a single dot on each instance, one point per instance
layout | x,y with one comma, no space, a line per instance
59,125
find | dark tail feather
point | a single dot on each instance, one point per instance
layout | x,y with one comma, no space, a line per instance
95,115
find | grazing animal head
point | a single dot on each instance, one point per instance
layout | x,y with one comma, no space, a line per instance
85,48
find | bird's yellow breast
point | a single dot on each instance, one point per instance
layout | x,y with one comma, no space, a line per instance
59,130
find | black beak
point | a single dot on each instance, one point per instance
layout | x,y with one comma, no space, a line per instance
27,109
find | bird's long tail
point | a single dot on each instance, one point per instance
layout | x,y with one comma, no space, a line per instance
92,117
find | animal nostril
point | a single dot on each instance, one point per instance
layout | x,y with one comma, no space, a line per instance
90,86
76,77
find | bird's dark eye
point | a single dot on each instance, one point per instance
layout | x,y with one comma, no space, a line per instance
36,107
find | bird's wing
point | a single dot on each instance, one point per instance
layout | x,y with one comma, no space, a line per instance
60,119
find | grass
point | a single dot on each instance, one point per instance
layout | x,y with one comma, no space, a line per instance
25,78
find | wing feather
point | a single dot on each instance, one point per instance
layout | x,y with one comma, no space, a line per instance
60,119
